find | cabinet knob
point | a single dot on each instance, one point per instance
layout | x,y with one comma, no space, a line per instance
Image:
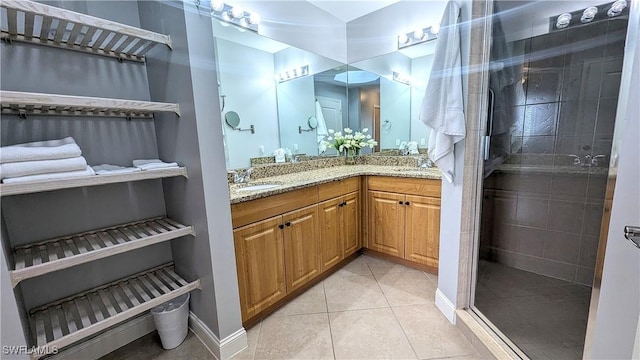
281,226
344,203
400,202
407,203
287,223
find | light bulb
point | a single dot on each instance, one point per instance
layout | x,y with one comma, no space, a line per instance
563,21
435,28
616,8
237,11
418,34
403,39
254,18
217,5
243,22
588,14
225,16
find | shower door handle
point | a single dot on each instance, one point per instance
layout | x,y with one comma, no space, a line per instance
632,233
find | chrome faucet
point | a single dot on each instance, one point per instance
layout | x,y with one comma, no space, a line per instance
244,177
424,163
589,160
594,160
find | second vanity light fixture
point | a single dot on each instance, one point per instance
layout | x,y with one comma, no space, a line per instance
293,73
401,78
235,14
592,13
418,36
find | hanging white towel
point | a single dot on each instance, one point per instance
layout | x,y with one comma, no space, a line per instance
321,130
88,171
105,169
26,168
40,150
150,164
442,107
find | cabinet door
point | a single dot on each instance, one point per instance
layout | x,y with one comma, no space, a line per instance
301,246
260,264
386,222
422,230
329,215
351,223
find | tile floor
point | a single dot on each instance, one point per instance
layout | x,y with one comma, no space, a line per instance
545,317
369,309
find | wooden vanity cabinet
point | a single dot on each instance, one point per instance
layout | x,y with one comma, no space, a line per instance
404,218
301,246
339,228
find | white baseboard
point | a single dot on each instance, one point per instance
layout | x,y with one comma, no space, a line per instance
446,307
222,349
109,340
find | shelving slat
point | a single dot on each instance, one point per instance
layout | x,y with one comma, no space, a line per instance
94,180
16,102
68,320
21,15
54,259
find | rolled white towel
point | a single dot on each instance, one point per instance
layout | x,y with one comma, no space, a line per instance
88,171
40,150
26,168
150,164
106,169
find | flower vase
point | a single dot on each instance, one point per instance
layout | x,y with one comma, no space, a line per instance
351,156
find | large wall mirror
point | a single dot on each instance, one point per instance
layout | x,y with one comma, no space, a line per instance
279,96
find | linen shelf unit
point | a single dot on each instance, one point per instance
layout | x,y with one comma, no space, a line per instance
23,103
42,24
74,318
52,255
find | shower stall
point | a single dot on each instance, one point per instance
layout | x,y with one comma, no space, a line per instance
554,79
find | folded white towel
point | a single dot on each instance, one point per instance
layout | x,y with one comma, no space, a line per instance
88,171
113,169
150,164
40,150
26,168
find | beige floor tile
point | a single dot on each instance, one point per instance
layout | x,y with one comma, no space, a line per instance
353,293
369,334
252,340
431,334
432,277
356,267
311,301
406,288
381,266
295,337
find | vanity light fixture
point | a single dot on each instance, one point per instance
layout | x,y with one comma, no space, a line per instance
235,14
588,14
617,8
418,36
563,21
293,73
401,78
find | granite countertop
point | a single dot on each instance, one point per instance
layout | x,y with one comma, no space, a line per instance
304,179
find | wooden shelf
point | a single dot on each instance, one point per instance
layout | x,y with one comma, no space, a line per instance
24,103
50,185
52,255
66,321
42,24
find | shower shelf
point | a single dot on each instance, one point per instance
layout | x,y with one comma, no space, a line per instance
94,180
56,254
41,24
24,103
79,316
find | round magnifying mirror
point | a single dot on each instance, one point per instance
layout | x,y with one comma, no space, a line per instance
232,119
313,122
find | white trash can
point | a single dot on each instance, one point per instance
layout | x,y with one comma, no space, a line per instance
171,319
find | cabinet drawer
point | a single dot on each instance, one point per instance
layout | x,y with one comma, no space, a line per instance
338,188
410,186
255,210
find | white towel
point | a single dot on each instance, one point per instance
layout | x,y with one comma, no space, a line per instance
40,150
321,129
26,168
105,169
150,164
88,171
442,107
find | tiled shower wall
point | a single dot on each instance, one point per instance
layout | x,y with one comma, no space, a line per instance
543,216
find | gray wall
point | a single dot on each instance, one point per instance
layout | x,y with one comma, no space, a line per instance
187,75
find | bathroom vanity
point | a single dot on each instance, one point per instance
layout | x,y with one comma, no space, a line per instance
291,236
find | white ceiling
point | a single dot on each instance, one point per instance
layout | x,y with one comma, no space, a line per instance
353,9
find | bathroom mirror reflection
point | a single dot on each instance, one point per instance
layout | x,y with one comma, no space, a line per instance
277,88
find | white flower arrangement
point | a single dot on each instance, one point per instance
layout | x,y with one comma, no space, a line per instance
349,141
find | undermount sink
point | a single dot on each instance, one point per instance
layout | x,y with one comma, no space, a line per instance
259,187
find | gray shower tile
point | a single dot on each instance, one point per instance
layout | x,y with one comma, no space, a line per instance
517,113
576,145
543,86
532,212
505,237
565,216
540,119
588,251
569,186
558,270
584,275
561,246
586,42
577,118
548,50
611,78
534,185
538,144
596,188
616,35
592,219
504,208
531,241
606,116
